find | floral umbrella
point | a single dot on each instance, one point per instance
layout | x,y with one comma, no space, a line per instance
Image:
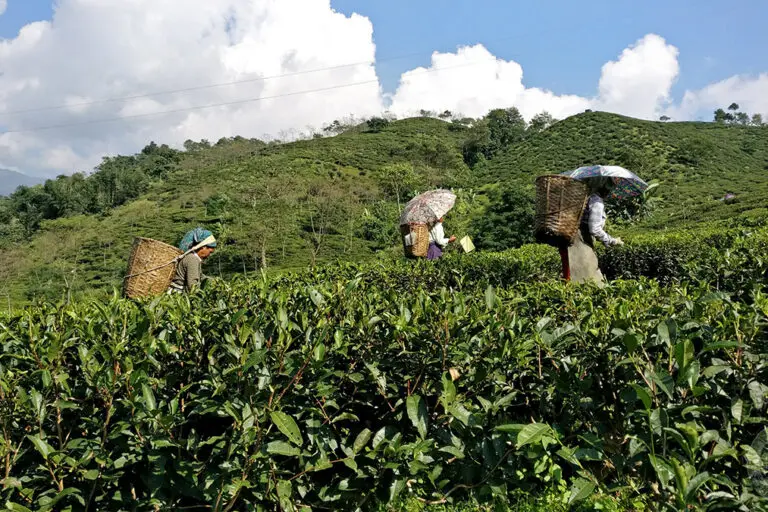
623,183
428,207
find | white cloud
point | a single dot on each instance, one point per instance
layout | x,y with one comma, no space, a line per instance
99,49
637,84
473,81
751,93
3,6
96,49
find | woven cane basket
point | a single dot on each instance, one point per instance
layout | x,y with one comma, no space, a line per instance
420,236
150,268
560,202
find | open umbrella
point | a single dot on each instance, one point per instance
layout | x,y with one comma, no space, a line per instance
428,207
623,183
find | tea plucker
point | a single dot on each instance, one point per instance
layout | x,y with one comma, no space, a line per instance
198,245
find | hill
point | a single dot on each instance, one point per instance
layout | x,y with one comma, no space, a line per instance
282,205
10,180
286,206
696,163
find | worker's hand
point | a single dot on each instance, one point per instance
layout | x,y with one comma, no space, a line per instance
618,241
452,239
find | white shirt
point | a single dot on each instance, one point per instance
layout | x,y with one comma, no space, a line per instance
437,235
594,219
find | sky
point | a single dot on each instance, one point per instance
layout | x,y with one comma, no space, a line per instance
82,79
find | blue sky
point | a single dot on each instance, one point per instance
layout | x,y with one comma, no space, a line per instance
122,51
562,44
21,12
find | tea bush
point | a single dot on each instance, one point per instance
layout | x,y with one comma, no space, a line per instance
350,387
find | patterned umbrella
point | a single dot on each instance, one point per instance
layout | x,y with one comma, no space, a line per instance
622,182
428,207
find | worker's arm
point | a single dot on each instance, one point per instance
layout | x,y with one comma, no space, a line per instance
438,235
596,224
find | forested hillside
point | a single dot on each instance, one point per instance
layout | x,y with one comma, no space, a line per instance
291,205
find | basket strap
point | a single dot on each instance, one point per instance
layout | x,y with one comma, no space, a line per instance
172,262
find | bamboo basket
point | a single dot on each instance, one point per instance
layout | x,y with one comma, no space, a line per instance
560,203
151,267
420,235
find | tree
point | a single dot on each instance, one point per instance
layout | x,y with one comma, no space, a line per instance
733,107
507,220
477,143
379,225
261,234
326,212
721,116
376,124
217,205
446,115
742,118
499,129
664,119
506,126
757,120
335,128
541,122
397,180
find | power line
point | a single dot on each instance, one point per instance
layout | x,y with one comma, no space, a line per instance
187,89
236,102
242,81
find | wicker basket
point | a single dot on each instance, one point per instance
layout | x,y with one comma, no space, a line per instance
560,203
151,267
420,236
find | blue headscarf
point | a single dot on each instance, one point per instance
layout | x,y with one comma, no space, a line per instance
194,237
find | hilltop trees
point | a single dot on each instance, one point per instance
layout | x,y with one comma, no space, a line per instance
499,129
735,116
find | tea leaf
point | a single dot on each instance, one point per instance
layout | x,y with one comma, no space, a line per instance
580,490
287,426
42,447
282,448
532,433
361,440
417,412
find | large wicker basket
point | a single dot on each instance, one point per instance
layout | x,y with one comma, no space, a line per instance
420,237
560,203
150,268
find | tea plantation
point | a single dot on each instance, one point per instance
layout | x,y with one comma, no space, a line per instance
477,382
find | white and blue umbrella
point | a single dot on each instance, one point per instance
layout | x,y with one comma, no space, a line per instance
621,182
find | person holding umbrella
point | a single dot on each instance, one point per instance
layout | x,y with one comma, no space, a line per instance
429,208
605,181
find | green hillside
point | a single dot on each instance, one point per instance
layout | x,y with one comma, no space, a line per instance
282,206
300,203
696,163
